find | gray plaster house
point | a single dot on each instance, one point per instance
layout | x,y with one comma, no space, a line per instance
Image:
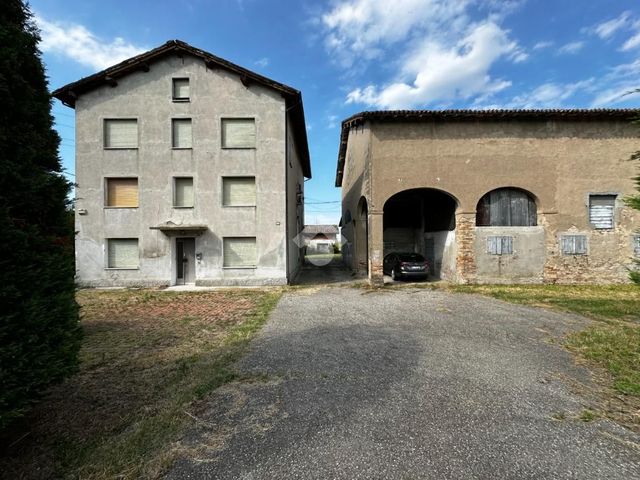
189,169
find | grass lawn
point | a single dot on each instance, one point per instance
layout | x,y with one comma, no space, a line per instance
613,342
146,360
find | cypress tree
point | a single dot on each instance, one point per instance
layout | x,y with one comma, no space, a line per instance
39,330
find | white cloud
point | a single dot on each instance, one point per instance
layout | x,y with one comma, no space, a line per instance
606,29
616,84
81,45
543,44
332,121
634,41
550,95
570,48
262,63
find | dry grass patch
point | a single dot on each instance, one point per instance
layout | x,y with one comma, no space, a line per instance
147,356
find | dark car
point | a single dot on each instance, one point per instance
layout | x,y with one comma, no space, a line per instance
405,265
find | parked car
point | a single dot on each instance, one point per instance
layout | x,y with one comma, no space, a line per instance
405,265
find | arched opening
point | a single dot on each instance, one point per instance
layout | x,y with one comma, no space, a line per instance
361,231
422,220
507,207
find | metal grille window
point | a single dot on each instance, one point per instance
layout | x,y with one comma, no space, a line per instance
238,133
239,191
573,244
506,207
499,245
180,89
239,252
181,133
121,133
601,211
122,253
122,192
183,192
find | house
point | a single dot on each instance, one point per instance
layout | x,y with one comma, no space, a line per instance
189,169
501,196
320,238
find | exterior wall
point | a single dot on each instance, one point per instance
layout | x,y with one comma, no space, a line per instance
559,162
295,205
356,184
214,94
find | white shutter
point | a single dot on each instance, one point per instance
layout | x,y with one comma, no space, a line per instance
239,191
121,133
239,252
500,245
601,211
123,253
181,132
183,192
238,133
573,244
180,88
636,245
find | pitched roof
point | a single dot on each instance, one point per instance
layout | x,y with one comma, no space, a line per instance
69,93
473,115
312,229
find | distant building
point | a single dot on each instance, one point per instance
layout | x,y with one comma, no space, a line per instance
503,196
189,169
320,238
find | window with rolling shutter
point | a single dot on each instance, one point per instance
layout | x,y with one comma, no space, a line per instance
239,191
122,192
239,252
181,133
183,192
499,245
573,244
506,207
238,133
601,211
121,133
180,89
122,253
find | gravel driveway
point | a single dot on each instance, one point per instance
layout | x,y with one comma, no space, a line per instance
406,383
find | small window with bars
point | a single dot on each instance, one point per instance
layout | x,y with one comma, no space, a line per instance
181,133
121,192
183,196
181,90
573,244
601,211
123,253
499,245
239,252
120,133
238,133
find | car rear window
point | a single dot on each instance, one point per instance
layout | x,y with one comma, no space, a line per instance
411,257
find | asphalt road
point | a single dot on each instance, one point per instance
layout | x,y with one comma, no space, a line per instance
346,383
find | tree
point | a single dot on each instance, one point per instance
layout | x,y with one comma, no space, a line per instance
39,329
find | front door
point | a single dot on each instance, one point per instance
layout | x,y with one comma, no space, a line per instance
185,260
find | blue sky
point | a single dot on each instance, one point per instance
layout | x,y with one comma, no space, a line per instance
352,55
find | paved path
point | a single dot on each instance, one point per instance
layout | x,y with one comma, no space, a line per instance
406,383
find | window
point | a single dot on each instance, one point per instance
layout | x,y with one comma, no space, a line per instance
239,252
506,207
122,192
122,253
181,132
180,89
238,133
573,244
121,133
636,245
183,192
601,210
239,191
499,245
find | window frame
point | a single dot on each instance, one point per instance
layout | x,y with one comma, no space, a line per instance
484,203
222,137
222,191
173,191
173,136
239,267
107,259
173,90
615,197
574,254
106,190
635,245
505,243
116,119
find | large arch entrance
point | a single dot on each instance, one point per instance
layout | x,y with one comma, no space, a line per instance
423,220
